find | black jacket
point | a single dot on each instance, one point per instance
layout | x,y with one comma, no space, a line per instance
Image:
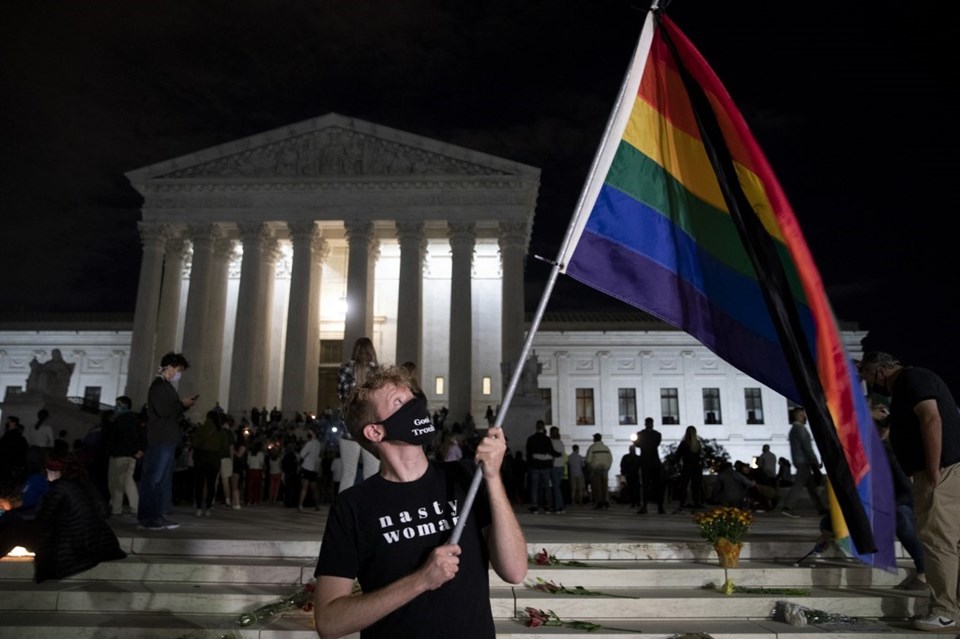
74,534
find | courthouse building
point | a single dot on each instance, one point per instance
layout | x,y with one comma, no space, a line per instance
265,258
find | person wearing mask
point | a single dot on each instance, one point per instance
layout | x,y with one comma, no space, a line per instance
392,532
164,408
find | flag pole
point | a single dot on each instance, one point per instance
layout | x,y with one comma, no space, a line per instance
555,270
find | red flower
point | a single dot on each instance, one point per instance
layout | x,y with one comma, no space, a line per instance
543,558
537,617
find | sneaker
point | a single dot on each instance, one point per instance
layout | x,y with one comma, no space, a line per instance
300,509
168,524
206,512
153,524
199,512
912,583
561,511
935,623
789,513
534,510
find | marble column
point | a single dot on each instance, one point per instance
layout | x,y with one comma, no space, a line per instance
302,321
212,366
606,404
362,254
413,247
513,238
311,398
142,363
168,318
197,316
566,396
463,238
260,386
255,239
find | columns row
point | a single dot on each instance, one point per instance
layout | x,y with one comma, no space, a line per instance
159,293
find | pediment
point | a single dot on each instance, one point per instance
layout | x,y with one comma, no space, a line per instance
331,146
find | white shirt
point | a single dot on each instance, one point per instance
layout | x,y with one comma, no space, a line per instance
255,461
42,437
310,456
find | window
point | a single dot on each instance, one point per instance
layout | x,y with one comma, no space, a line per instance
585,407
753,402
91,399
669,406
487,385
14,390
627,403
547,396
438,385
711,406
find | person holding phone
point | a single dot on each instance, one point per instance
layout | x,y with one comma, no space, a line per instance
164,408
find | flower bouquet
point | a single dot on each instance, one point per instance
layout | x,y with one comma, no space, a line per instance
725,527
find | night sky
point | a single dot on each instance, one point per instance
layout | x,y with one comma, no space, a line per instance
851,101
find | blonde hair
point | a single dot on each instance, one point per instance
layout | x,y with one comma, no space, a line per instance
360,409
364,358
690,436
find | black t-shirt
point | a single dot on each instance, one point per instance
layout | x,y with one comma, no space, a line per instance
913,386
379,531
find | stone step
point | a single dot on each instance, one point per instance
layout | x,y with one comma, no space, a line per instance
775,550
651,602
93,625
596,574
656,577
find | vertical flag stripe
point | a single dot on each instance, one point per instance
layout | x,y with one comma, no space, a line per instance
830,353
683,217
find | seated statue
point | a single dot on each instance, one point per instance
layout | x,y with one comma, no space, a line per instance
51,377
529,377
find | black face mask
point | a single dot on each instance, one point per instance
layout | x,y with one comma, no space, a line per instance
410,424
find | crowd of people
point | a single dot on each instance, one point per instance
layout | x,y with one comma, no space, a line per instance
144,462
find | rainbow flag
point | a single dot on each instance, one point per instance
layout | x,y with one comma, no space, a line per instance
683,217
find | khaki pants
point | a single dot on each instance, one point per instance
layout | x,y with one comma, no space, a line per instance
600,483
120,481
938,523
